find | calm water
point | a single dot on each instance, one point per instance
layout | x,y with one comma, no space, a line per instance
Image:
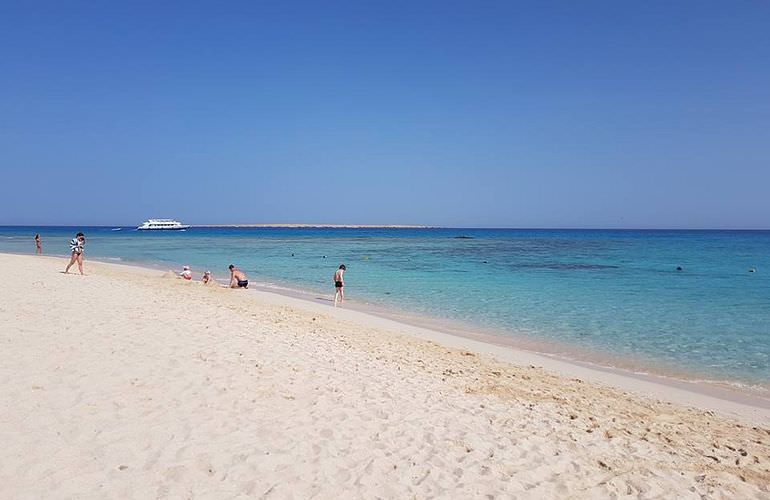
614,292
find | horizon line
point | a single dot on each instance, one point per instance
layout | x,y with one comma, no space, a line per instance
407,226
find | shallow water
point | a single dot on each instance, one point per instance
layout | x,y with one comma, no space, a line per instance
615,292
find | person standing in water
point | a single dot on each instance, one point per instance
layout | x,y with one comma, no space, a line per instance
77,247
38,244
339,284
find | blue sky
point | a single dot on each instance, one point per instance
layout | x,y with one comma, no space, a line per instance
536,114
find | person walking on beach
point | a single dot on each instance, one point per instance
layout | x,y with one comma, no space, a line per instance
38,244
237,278
339,284
77,247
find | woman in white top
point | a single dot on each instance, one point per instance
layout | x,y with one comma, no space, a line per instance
77,247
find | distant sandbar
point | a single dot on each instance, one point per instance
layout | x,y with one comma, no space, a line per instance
322,226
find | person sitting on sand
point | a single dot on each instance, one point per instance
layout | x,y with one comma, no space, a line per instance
339,284
186,274
38,244
237,278
207,278
77,247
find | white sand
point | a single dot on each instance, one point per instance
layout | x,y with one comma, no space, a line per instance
125,384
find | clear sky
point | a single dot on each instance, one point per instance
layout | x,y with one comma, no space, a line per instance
509,114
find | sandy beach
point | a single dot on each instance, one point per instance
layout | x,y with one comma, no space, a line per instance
126,383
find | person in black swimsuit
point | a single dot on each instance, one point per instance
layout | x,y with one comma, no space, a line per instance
237,278
339,284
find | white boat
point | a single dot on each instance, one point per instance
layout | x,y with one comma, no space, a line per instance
162,225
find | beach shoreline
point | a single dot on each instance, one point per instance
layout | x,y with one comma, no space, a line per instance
621,371
137,384
738,401
561,302
544,351
746,405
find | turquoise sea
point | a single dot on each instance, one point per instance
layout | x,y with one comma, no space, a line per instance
615,293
